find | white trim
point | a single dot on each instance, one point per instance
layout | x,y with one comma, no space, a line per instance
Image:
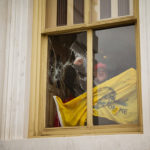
131,7
114,8
145,61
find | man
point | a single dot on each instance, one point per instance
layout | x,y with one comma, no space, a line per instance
100,73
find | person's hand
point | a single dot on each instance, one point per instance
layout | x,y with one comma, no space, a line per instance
78,61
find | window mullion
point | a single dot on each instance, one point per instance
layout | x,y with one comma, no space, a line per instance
89,78
87,11
138,63
43,14
70,12
51,13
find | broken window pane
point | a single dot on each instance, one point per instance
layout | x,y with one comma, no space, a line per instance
66,80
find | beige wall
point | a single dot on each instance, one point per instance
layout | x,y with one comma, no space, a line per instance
102,142
3,32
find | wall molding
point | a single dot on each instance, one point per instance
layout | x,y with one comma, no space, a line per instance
17,70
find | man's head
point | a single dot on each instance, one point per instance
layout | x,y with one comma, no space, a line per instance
100,72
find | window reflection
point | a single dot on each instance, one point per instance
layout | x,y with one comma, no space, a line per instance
114,77
105,9
123,7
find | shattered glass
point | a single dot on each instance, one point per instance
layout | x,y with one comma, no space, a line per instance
66,71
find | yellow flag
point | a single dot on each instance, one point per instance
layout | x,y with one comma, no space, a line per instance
115,99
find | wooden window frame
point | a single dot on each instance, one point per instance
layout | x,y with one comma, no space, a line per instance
39,73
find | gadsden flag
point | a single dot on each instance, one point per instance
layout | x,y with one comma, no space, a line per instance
115,99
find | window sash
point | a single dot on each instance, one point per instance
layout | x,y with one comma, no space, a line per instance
39,72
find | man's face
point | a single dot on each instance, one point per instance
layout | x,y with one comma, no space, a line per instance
101,74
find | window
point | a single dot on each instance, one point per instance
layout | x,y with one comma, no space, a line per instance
85,76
